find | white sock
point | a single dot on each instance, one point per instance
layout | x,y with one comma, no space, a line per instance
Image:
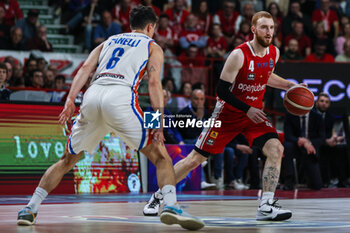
169,194
38,196
158,194
266,196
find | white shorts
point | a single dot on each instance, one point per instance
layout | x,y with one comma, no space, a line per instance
106,109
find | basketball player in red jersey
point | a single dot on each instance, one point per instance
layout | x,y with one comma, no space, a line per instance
241,88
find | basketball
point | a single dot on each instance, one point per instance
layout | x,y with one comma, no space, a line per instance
298,100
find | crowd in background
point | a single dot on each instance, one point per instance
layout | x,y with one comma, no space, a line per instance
190,32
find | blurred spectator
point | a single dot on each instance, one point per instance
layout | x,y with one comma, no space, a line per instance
320,54
237,41
40,42
319,34
41,64
240,149
16,40
343,20
217,44
12,11
9,72
37,79
121,13
29,25
276,13
344,57
295,14
71,8
303,137
329,18
307,7
49,79
171,134
60,82
17,77
163,33
4,29
191,34
30,65
199,86
169,84
283,5
191,57
4,92
332,155
292,51
88,18
177,16
205,19
339,44
186,90
258,5
244,31
196,111
106,29
53,68
303,40
155,8
227,18
247,15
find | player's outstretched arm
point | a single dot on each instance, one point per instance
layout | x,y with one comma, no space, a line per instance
154,66
78,82
228,76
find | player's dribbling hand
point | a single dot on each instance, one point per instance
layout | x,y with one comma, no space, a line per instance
158,136
256,115
67,112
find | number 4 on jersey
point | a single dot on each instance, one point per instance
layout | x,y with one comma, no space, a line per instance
117,53
251,66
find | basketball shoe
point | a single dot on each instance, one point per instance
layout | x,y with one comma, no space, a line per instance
26,217
152,207
175,215
272,211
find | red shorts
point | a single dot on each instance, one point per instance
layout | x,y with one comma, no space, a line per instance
213,140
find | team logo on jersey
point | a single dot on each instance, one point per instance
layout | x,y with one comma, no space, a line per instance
251,76
214,134
210,142
271,63
151,120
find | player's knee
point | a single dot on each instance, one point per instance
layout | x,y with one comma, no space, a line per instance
161,154
68,161
273,149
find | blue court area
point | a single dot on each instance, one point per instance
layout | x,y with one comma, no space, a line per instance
137,197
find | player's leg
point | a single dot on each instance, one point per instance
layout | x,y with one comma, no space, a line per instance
265,137
48,182
269,209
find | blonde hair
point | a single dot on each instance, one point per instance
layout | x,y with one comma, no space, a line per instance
260,14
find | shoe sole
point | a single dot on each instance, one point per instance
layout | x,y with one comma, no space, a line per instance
280,217
23,222
184,222
155,214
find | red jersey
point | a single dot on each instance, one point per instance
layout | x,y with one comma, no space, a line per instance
220,43
327,18
227,24
251,80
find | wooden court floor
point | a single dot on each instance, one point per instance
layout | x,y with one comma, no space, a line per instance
309,215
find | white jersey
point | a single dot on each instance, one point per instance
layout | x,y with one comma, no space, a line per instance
123,60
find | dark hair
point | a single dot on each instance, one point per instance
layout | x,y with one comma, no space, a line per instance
60,77
141,16
197,85
3,66
164,16
324,94
183,86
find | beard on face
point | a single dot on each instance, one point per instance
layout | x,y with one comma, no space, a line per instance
262,42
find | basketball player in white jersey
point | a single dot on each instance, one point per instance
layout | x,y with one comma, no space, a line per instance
110,105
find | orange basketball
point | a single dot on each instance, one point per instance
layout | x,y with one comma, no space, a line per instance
298,100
